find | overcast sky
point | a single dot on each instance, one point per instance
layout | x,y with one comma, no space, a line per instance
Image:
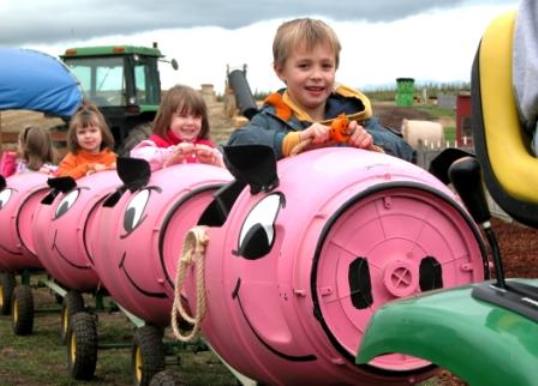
430,40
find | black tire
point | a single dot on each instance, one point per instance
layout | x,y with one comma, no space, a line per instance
82,346
73,303
7,284
22,310
147,354
135,136
167,378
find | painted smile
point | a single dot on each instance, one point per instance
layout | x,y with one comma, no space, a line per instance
303,358
68,261
10,251
121,266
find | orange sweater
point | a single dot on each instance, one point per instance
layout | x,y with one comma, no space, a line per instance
79,164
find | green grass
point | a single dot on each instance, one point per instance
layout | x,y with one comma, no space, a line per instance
40,359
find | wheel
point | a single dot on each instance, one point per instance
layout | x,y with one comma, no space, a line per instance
22,310
7,283
135,136
82,346
147,354
72,304
166,378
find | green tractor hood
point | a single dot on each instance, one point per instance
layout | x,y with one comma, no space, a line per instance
482,343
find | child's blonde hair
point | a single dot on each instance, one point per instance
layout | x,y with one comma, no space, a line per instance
310,32
185,100
35,147
87,115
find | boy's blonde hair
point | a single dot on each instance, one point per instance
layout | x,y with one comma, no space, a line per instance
185,100
87,115
36,147
310,32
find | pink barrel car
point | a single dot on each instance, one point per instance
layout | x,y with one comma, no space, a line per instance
19,197
141,229
310,249
62,223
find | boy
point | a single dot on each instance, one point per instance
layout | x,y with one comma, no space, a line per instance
306,54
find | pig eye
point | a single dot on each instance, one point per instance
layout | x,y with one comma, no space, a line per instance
66,203
258,231
5,195
133,216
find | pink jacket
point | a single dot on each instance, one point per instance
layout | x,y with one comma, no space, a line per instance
8,163
157,156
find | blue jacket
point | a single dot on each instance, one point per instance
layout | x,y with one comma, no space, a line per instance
268,128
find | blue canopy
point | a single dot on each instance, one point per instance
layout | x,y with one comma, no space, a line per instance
33,80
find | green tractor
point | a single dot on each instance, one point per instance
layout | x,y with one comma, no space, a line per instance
124,82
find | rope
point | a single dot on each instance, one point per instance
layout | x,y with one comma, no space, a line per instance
192,255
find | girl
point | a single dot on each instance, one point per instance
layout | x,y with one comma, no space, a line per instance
89,141
34,153
180,132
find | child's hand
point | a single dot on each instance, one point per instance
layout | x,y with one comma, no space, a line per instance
208,155
96,167
179,153
359,137
46,170
316,132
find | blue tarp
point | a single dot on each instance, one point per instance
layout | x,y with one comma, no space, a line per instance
32,80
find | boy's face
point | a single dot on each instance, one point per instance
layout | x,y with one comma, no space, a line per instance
309,76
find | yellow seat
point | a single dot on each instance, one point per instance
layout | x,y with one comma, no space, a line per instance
502,148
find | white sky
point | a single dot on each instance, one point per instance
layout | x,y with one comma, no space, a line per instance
433,45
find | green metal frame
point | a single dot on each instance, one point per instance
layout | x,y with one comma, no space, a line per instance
481,343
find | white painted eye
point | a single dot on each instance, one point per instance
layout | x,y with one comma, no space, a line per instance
66,203
258,231
5,195
134,211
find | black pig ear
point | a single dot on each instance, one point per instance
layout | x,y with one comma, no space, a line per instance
62,184
440,164
134,172
253,164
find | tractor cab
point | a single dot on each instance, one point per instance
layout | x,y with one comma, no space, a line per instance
123,81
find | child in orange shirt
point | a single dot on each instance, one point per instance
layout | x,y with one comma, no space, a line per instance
90,144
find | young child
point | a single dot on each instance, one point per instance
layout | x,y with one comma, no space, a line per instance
180,132
90,144
34,153
306,54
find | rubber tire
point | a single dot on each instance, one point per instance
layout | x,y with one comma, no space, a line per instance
82,346
147,354
137,134
73,303
7,284
22,310
167,378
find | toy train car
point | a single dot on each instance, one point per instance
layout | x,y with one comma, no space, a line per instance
298,255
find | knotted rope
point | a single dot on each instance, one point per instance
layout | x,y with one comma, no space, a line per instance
192,255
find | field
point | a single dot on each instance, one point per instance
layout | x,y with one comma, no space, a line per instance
40,359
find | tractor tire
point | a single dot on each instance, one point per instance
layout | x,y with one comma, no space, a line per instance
7,284
135,136
147,354
82,346
167,378
73,303
22,310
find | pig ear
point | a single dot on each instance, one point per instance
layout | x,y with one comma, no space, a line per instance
440,164
62,184
254,165
134,172
2,183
